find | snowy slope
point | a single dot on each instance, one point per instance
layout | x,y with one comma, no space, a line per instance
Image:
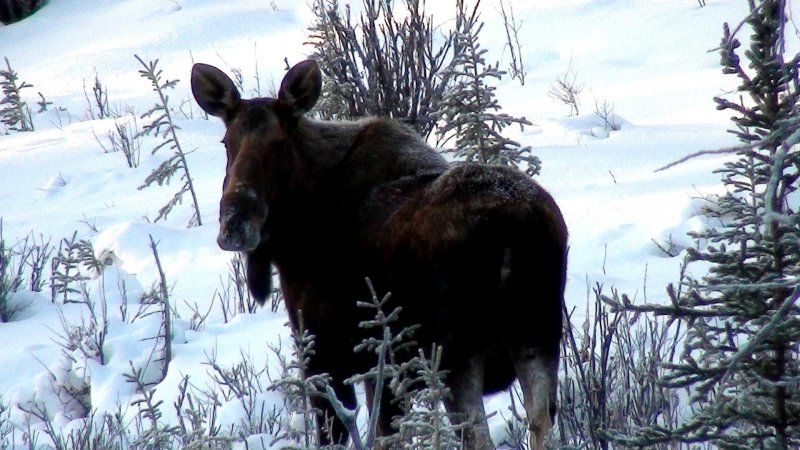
648,57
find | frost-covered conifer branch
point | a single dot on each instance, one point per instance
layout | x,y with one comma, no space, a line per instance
425,423
72,255
298,387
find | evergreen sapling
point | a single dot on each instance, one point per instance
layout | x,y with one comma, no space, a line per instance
470,110
164,127
425,424
741,357
15,114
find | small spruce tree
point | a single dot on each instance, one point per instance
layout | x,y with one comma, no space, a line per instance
164,127
470,110
741,357
14,112
300,388
425,424
10,280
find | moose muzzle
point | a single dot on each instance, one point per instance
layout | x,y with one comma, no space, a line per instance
238,232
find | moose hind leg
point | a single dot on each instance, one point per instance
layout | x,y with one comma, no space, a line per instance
537,372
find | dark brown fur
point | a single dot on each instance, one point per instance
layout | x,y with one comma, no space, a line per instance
475,254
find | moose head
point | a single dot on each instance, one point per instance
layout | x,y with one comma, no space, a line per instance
259,146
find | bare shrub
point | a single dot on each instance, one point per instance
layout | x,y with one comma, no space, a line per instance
152,431
27,257
243,382
567,90
233,296
158,297
97,103
124,138
605,111
298,389
379,64
512,27
611,364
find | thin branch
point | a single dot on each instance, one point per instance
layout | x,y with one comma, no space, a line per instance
165,305
719,151
753,13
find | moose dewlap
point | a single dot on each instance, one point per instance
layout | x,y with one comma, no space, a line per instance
474,254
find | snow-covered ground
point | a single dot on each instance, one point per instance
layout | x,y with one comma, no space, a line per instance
650,58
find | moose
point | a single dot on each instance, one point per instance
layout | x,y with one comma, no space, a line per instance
474,254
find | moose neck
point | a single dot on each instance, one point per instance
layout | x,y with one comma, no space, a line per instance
320,158
301,218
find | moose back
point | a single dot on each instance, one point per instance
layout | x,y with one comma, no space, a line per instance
474,254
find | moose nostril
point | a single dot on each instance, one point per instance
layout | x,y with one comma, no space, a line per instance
236,232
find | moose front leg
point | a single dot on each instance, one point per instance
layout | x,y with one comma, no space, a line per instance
466,403
330,427
387,410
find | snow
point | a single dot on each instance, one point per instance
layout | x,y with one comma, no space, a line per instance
649,58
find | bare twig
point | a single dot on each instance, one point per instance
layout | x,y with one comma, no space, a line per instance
512,27
166,319
719,151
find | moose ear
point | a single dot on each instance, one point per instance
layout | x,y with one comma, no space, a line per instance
214,91
301,87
